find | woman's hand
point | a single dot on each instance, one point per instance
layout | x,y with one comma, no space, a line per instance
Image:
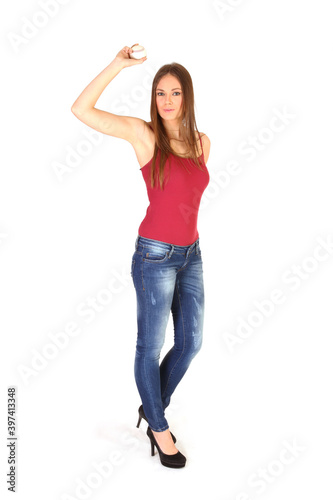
123,57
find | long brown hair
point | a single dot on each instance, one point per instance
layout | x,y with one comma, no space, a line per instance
187,128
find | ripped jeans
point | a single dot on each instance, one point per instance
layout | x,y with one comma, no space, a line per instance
166,277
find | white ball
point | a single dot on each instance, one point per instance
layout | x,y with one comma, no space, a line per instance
138,52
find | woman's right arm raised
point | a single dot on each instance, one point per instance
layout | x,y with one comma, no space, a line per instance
124,127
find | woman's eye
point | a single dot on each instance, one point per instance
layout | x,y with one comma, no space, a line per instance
158,93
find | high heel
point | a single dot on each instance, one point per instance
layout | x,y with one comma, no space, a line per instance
175,461
143,416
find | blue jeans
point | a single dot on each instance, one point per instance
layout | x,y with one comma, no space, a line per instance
166,277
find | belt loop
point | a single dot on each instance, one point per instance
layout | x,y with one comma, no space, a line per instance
171,251
197,247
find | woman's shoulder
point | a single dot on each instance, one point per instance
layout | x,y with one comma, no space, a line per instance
203,136
205,145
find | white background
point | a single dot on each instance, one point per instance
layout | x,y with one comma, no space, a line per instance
65,239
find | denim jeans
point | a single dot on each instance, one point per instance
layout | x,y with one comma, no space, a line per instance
166,277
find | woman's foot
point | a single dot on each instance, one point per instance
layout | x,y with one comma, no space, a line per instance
165,442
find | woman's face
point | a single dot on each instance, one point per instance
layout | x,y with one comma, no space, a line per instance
169,95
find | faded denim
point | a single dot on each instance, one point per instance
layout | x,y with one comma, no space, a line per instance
166,278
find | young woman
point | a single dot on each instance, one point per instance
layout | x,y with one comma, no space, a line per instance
166,265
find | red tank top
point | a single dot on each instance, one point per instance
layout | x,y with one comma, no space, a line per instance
172,213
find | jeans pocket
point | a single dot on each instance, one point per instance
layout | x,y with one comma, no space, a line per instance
155,254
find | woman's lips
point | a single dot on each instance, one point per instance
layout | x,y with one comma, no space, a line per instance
168,110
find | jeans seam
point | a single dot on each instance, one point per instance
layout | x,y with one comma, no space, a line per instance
145,371
184,336
143,285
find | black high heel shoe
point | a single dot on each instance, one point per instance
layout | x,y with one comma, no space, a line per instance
175,461
143,416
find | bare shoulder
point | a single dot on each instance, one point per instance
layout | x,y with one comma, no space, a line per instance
205,139
205,145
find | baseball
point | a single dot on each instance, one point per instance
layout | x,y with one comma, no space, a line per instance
138,52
